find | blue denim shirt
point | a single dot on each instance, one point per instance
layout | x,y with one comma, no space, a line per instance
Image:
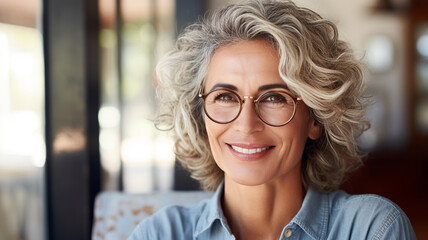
335,215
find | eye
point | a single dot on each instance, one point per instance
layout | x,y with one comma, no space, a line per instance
275,98
226,97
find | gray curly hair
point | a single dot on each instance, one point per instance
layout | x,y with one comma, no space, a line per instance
314,64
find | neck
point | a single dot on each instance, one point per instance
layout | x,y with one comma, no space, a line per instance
262,211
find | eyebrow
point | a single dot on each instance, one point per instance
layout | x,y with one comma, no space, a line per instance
261,88
270,86
224,85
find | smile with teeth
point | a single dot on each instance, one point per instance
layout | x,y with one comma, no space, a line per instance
249,150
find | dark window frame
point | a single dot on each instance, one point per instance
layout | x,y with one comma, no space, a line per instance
71,54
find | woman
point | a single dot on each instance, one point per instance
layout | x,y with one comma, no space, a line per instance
265,103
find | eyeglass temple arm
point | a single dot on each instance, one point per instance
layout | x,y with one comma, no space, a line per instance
200,94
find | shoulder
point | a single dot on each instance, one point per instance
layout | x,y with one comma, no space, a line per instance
347,203
370,216
172,222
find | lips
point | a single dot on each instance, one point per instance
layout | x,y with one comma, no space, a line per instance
249,152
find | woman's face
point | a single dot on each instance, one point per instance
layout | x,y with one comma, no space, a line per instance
274,153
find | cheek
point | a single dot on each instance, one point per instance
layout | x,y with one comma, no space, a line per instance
301,123
295,135
214,131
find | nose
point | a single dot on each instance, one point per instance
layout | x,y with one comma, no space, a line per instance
248,122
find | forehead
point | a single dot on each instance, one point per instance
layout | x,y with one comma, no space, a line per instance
244,64
258,52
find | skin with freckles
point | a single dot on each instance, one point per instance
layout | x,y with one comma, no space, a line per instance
263,191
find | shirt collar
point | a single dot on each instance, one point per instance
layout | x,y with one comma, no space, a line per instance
312,217
212,212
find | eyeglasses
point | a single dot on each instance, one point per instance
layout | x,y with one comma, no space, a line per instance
275,108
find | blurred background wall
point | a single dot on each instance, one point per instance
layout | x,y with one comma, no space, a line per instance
77,98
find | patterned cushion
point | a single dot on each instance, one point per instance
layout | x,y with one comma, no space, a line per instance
116,214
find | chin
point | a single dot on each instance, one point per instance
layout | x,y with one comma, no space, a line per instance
256,175
247,177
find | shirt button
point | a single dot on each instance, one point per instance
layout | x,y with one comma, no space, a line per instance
288,233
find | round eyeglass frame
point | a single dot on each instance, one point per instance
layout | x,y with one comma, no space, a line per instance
256,103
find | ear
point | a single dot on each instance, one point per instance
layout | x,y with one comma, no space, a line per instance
314,130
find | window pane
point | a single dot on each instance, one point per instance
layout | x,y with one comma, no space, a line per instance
109,114
127,130
422,77
146,153
22,144
422,60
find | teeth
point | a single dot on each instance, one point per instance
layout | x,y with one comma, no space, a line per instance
249,151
